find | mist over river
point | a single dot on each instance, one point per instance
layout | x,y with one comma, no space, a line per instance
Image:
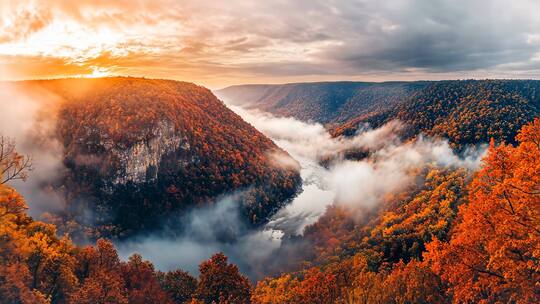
355,185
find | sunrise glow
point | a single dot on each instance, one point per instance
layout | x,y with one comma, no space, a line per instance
220,43
98,72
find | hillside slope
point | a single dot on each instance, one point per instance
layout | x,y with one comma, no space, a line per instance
324,102
465,112
137,151
439,241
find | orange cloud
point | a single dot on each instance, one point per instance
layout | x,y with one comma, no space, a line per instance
216,43
37,67
19,23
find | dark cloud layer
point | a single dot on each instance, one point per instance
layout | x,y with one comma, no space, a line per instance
443,36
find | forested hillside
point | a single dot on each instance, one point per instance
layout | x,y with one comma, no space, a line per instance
138,151
324,102
463,111
458,238
269,152
39,267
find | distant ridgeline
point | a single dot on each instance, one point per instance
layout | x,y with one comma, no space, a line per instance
137,151
463,111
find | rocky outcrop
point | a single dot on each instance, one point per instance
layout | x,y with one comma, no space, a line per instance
140,162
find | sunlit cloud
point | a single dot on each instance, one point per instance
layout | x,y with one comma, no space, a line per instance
217,43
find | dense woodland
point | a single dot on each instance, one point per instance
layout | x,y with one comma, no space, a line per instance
39,266
466,112
454,236
99,119
326,102
119,189
459,238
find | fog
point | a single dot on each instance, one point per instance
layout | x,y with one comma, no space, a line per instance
348,183
28,118
206,230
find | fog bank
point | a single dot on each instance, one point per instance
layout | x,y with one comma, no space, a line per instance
354,184
29,118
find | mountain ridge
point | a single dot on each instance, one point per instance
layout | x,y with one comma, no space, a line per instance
495,100
136,151
324,102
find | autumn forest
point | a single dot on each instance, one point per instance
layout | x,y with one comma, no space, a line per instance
269,152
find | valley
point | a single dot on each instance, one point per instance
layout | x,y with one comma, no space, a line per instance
269,152
158,164
465,112
136,153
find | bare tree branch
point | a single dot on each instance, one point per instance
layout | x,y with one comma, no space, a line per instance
13,166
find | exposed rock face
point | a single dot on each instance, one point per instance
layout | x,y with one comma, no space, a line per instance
140,162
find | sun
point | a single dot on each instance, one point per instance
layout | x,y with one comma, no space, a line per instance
98,72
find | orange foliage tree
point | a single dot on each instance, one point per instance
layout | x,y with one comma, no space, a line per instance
179,284
39,267
142,283
315,287
494,253
221,282
98,269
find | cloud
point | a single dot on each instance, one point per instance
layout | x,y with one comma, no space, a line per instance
204,231
356,185
218,43
365,183
442,36
312,140
19,22
28,117
283,160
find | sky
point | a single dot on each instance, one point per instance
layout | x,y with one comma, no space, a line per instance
219,43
